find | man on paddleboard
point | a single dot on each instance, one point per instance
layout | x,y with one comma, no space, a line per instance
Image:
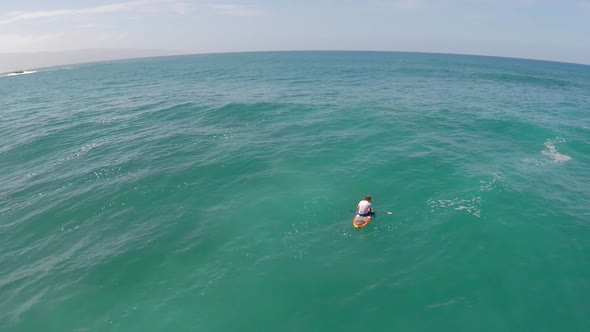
364,208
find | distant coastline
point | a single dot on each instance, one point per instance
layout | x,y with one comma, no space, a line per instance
14,62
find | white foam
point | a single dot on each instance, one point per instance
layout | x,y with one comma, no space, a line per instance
471,206
23,73
532,161
495,183
552,152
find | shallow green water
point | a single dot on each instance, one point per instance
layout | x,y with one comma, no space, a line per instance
212,193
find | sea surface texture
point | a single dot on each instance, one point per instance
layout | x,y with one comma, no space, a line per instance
214,193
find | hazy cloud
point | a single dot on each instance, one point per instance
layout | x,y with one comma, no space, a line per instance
234,9
87,37
14,17
180,8
409,4
413,4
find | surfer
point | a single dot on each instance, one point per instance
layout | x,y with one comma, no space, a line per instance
364,208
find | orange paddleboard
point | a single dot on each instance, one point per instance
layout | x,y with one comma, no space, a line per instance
360,222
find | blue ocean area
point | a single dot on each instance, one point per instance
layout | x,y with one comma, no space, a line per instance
216,192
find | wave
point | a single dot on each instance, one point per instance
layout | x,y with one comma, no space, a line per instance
552,152
524,79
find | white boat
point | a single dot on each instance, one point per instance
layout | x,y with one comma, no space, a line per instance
21,72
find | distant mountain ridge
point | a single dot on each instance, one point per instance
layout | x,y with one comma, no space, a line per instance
10,62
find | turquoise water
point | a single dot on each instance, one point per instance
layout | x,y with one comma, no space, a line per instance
213,193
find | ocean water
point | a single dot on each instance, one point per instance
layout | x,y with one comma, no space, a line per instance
213,193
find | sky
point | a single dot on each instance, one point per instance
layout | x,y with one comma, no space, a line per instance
538,29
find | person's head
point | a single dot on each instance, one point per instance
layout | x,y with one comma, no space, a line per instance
368,198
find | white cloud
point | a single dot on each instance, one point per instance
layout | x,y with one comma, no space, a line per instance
14,17
234,9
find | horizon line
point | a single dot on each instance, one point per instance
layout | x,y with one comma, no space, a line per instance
380,51
181,54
